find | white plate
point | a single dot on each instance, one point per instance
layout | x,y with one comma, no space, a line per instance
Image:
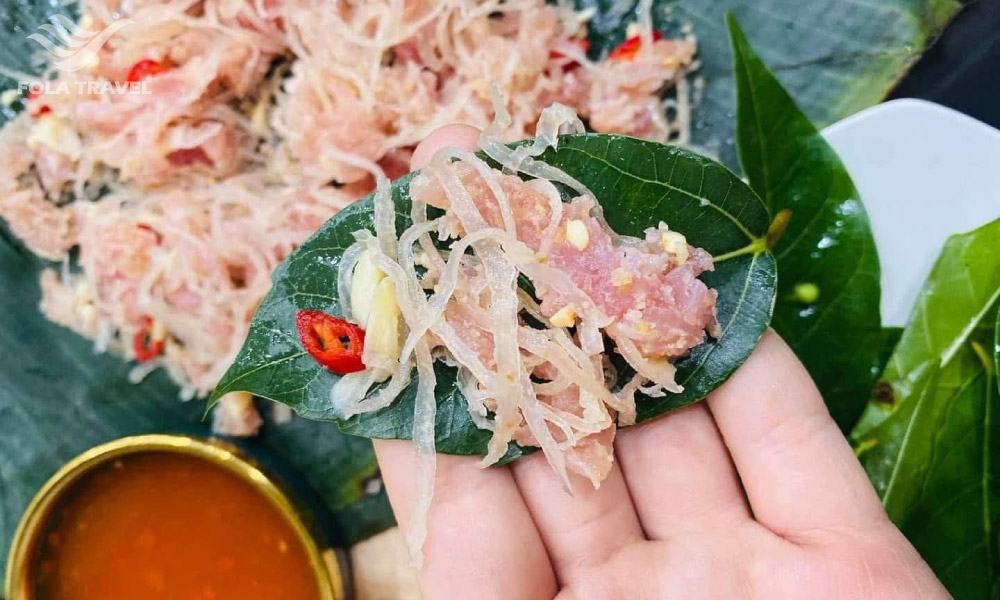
924,172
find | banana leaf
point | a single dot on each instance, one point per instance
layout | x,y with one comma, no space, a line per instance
835,57
58,398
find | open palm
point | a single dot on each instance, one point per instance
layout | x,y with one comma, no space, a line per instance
752,494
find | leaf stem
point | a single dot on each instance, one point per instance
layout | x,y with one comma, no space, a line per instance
983,356
778,227
757,246
865,446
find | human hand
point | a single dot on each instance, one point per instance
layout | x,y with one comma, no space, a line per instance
754,493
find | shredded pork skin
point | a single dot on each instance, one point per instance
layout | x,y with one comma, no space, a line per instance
197,260
180,201
532,373
637,293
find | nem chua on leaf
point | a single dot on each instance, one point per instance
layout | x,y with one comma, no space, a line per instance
532,296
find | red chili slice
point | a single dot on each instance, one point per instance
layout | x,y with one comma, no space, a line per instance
37,111
581,43
185,157
143,344
157,234
146,67
630,47
333,342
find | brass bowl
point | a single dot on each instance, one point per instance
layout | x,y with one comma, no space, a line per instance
325,561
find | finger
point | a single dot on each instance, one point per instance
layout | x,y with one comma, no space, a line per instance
457,136
477,518
680,475
583,530
800,475
481,540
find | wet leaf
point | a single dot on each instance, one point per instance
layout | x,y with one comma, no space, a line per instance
954,519
931,453
828,293
961,289
944,488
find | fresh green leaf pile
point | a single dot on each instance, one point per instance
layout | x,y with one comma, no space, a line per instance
962,289
637,183
828,292
931,441
929,438
953,517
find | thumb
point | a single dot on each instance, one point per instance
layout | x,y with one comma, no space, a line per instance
456,136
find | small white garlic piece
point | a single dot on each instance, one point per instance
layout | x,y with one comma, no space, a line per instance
577,234
564,317
364,281
676,244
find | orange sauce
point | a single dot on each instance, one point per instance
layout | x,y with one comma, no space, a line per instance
165,525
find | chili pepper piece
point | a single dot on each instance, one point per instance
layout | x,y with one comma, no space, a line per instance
186,157
630,47
146,67
149,228
581,43
324,336
143,344
37,111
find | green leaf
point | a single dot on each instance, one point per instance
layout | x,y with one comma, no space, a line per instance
903,443
638,184
961,289
828,293
337,466
890,338
58,398
955,520
944,493
929,442
836,57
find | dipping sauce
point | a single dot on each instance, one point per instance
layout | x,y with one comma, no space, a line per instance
168,525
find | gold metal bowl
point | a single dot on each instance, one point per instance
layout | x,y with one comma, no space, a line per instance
324,560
